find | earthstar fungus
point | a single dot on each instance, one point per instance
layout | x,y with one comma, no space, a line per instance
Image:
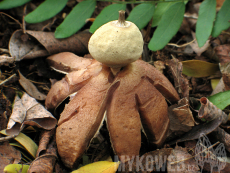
130,91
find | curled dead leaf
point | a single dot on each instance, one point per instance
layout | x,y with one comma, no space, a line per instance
28,111
42,44
210,112
43,164
46,154
45,139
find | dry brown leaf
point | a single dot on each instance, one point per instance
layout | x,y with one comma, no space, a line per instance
5,111
181,118
154,160
29,112
223,53
35,44
180,82
196,48
196,131
159,65
180,161
8,155
30,88
223,137
225,70
219,4
77,43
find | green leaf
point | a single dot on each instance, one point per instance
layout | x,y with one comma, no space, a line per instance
45,10
8,4
222,19
207,13
197,68
159,11
141,14
168,26
109,13
76,19
221,100
26,142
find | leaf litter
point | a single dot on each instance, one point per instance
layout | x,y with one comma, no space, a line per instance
185,124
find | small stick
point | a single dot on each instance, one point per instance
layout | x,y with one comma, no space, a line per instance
7,79
183,45
12,18
3,139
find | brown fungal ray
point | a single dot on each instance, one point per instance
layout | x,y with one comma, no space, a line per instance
67,62
123,119
81,118
153,111
71,83
160,82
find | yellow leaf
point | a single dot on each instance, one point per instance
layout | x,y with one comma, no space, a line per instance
214,83
99,167
26,142
15,168
198,68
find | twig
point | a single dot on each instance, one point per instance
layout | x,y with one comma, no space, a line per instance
4,50
2,139
12,18
190,16
6,80
23,19
183,45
